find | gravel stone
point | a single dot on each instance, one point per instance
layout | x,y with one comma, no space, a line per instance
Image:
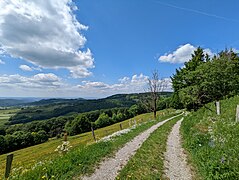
175,164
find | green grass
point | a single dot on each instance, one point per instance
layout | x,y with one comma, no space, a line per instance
5,114
28,157
212,141
147,163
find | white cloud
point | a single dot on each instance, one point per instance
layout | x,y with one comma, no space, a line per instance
50,85
1,51
181,54
124,80
50,77
141,79
79,72
97,85
25,68
45,33
135,84
2,62
43,81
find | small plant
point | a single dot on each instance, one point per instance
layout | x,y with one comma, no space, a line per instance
64,147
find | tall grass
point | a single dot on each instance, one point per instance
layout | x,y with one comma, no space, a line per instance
213,140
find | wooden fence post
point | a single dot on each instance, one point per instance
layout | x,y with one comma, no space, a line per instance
218,108
93,133
121,126
237,114
65,136
8,165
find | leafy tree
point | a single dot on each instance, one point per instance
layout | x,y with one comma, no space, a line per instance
79,125
203,80
103,120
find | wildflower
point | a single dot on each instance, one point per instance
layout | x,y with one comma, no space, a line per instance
222,160
43,177
64,147
200,145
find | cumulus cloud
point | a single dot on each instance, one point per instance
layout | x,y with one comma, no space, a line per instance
41,80
51,85
181,54
25,68
97,85
48,34
79,72
134,84
2,62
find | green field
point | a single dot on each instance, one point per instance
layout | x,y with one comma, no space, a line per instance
5,114
26,158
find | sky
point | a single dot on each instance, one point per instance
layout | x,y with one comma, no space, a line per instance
93,49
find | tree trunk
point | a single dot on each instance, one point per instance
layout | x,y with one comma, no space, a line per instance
155,114
155,108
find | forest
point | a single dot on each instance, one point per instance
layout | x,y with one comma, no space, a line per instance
49,108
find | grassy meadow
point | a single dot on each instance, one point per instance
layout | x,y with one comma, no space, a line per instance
212,140
25,159
5,114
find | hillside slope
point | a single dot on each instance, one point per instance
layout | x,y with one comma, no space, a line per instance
46,109
212,140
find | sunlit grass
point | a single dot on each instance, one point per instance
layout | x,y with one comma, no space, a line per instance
212,140
5,114
29,156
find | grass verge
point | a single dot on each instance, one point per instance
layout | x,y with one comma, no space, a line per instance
212,141
147,163
81,160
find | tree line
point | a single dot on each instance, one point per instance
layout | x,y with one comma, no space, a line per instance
205,79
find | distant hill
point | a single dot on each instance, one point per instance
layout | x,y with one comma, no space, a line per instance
54,101
48,108
15,101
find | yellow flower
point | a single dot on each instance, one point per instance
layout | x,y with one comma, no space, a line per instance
43,177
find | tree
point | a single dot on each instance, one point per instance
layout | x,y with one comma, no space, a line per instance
155,86
79,125
103,120
204,80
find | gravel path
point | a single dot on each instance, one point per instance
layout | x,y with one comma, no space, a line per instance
175,164
109,168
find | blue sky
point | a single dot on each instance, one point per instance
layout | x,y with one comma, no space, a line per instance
92,48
